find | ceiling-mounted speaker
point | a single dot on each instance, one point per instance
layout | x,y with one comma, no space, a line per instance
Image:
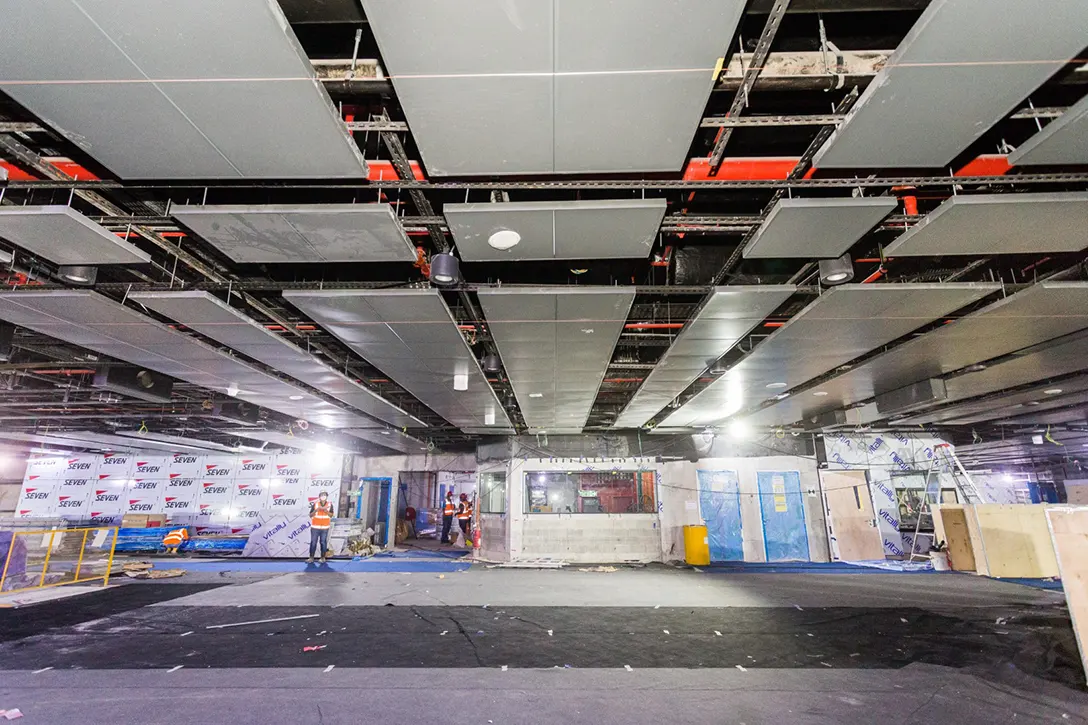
134,382
237,411
491,363
819,421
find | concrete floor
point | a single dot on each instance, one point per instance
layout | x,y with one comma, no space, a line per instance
652,645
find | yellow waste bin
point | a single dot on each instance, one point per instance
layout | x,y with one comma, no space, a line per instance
696,546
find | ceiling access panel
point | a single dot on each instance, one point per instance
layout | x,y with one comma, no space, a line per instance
64,236
531,87
989,224
728,315
1042,312
156,89
307,233
964,66
612,229
841,325
816,228
411,336
556,344
213,318
87,319
1063,141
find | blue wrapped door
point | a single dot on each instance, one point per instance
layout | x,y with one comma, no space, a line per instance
785,536
719,507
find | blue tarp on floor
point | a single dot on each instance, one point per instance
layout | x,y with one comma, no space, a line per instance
341,566
795,567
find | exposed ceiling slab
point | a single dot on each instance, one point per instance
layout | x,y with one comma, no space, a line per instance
816,228
550,86
555,345
300,233
64,236
1063,141
156,89
557,230
411,336
841,325
213,318
989,224
88,319
1042,312
728,315
925,106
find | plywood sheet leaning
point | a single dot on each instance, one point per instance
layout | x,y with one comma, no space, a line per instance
1069,535
1016,541
950,526
853,523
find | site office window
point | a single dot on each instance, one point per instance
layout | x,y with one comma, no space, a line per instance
589,492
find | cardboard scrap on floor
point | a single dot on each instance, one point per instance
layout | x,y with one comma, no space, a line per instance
146,570
531,564
600,568
11,714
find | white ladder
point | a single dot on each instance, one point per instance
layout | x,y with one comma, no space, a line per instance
943,455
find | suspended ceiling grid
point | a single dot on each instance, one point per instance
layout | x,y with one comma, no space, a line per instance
157,89
963,66
817,228
1063,141
301,233
95,322
557,230
213,318
555,345
1039,313
728,315
410,335
64,236
553,86
839,326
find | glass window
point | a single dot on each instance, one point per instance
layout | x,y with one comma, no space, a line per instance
493,493
589,492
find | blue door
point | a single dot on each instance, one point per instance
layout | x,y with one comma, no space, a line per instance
378,517
719,506
785,537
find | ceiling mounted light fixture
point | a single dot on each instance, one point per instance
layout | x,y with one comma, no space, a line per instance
1052,391
491,363
445,269
820,393
232,390
836,271
489,418
536,395
460,381
504,239
294,397
774,386
80,274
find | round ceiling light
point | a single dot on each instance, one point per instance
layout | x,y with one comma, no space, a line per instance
1052,391
504,239
820,393
774,386
836,271
294,397
78,273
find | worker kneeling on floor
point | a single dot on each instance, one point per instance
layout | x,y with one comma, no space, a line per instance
174,539
320,520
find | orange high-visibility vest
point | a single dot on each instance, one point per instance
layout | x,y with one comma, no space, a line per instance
175,538
466,512
322,517
450,509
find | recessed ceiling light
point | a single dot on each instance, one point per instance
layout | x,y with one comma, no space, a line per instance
504,239
1033,402
294,397
385,433
776,385
1052,391
820,393
837,277
460,381
536,395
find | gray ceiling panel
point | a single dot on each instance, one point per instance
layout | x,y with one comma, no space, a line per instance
584,323
301,233
1062,141
398,321
557,229
533,86
64,236
964,66
1039,313
161,89
816,228
839,326
393,439
728,315
204,313
989,224
98,323
1032,400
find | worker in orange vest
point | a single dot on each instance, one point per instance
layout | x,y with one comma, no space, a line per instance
464,518
320,520
174,539
447,517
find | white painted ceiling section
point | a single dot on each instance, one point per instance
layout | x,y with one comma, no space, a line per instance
839,326
88,319
728,315
964,66
213,318
168,89
556,344
411,336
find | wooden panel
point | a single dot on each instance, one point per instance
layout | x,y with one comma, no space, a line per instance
1069,532
950,526
1016,540
850,508
1077,493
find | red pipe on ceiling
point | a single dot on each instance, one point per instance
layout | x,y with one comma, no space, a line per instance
653,326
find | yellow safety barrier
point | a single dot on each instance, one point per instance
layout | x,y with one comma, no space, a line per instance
39,559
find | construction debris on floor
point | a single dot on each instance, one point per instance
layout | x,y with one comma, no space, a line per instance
599,568
147,570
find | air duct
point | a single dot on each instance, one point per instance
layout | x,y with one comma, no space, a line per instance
911,397
134,382
236,411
